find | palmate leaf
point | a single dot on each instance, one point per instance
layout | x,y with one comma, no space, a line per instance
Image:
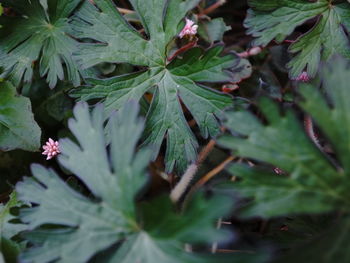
276,19
80,227
18,129
116,41
313,184
38,37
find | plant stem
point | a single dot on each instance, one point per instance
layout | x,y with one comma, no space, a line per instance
212,173
181,187
309,127
187,177
182,49
205,151
211,8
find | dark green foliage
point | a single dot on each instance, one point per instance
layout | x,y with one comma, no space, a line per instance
148,232
314,184
277,19
173,81
127,184
9,249
38,35
18,128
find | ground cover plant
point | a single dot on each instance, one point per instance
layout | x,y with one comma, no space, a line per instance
174,131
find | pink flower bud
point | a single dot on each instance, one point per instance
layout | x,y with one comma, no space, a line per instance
51,149
278,170
254,51
190,29
304,77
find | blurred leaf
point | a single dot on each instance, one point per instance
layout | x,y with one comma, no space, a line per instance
280,57
18,129
313,184
213,30
277,19
263,82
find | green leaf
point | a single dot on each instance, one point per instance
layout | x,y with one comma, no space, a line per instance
277,19
18,129
7,229
116,41
38,38
8,247
65,224
213,30
314,183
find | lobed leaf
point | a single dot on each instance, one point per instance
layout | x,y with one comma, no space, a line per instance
39,37
114,40
314,183
65,225
18,129
276,19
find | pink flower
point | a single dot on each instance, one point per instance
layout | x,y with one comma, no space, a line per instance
189,29
304,77
278,170
51,149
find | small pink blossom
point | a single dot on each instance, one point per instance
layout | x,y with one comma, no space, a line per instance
189,29
51,149
250,52
304,77
278,170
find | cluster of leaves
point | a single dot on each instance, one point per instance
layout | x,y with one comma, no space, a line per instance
275,20
312,181
99,204
126,231
46,30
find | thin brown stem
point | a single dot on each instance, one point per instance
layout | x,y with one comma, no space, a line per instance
211,8
309,127
212,173
205,152
120,9
191,171
182,49
207,177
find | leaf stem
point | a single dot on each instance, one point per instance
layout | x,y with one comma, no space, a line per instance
120,9
211,8
187,177
309,127
207,177
181,187
212,173
182,49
